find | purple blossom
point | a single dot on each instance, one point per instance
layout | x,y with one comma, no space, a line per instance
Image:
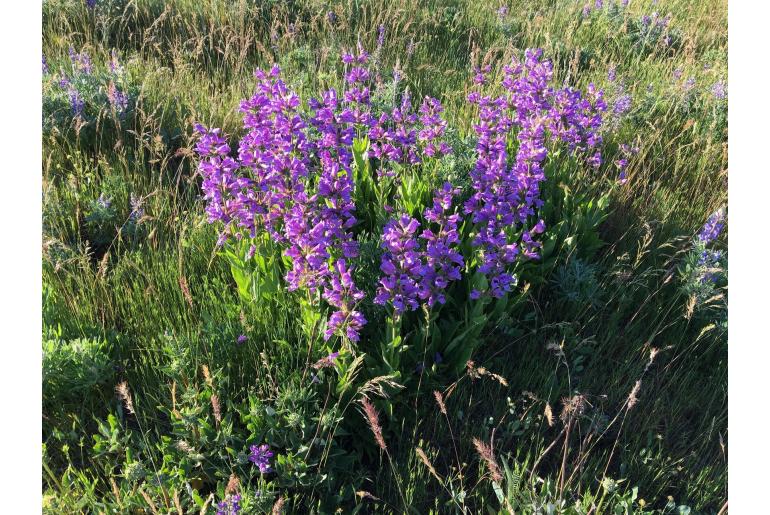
45,66
689,84
380,37
242,339
137,211
443,262
117,98
260,456
81,61
622,104
230,505
718,89
612,73
402,264
678,74
507,196
90,4
343,295
326,362
304,204
76,102
413,274
502,11
712,228
115,67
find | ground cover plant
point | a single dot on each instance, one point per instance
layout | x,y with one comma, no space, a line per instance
384,257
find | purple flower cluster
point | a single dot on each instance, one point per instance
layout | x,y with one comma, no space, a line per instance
506,196
81,62
231,505
621,163
413,274
117,98
76,102
302,203
718,90
293,179
260,456
712,228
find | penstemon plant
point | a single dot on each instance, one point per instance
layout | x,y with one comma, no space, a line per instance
307,184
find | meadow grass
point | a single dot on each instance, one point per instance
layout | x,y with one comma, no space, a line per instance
603,390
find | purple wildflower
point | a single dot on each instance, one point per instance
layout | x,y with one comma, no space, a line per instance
622,104
504,196
230,505
443,263
612,73
260,456
45,66
718,89
401,265
343,295
81,61
115,67
90,4
117,98
242,339
712,228
678,74
327,361
76,102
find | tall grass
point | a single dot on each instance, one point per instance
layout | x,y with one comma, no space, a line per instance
163,305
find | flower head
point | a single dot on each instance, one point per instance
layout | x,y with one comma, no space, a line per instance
260,456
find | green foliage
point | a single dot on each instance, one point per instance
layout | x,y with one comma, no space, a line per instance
150,299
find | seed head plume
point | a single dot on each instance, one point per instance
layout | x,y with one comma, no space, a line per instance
278,506
485,453
440,401
424,458
125,395
373,420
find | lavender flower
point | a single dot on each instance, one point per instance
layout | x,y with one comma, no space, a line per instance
117,98
137,211
242,339
115,67
260,456
90,4
45,66
380,37
712,228
504,196
230,505
344,295
718,89
81,61
622,104
402,264
443,262
612,73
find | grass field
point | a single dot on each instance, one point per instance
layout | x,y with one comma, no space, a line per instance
598,384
